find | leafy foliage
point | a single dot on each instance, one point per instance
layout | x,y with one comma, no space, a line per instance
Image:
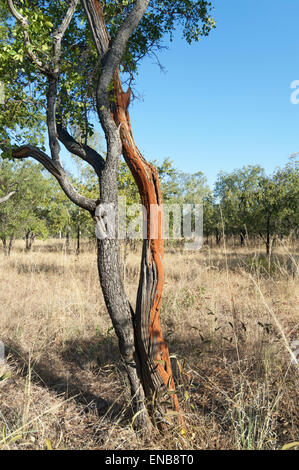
253,203
25,212
22,116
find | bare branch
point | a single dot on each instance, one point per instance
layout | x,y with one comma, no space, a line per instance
5,198
25,151
81,150
56,170
118,46
59,33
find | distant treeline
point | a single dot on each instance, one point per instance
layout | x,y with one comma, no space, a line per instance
245,204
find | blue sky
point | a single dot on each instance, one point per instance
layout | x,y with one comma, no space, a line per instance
225,101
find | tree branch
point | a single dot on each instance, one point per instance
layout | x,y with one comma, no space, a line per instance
53,81
51,118
57,38
111,54
53,164
5,198
55,168
95,17
59,33
81,150
114,55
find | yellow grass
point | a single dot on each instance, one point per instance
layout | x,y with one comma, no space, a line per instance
230,319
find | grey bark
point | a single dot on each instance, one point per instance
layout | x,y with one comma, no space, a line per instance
29,239
121,315
109,250
78,239
109,267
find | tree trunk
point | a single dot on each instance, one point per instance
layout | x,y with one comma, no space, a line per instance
242,237
4,242
29,239
118,306
268,238
67,241
141,343
152,350
11,239
7,248
121,315
125,256
78,239
218,237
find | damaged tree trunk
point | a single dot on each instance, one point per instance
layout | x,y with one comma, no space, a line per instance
153,352
141,342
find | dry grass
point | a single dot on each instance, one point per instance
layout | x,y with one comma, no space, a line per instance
228,317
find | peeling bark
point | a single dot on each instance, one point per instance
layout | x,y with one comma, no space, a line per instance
141,343
150,348
153,352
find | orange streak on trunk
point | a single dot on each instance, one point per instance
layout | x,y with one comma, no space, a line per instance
147,180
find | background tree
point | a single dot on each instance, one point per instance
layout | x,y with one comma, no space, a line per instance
276,204
258,205
6,184
236,195
24,214
211,219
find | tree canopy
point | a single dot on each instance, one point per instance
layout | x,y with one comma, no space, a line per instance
27,58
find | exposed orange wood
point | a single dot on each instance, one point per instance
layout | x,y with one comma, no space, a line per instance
147,180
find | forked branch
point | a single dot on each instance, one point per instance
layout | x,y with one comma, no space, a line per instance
151,348
53,163
26,151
